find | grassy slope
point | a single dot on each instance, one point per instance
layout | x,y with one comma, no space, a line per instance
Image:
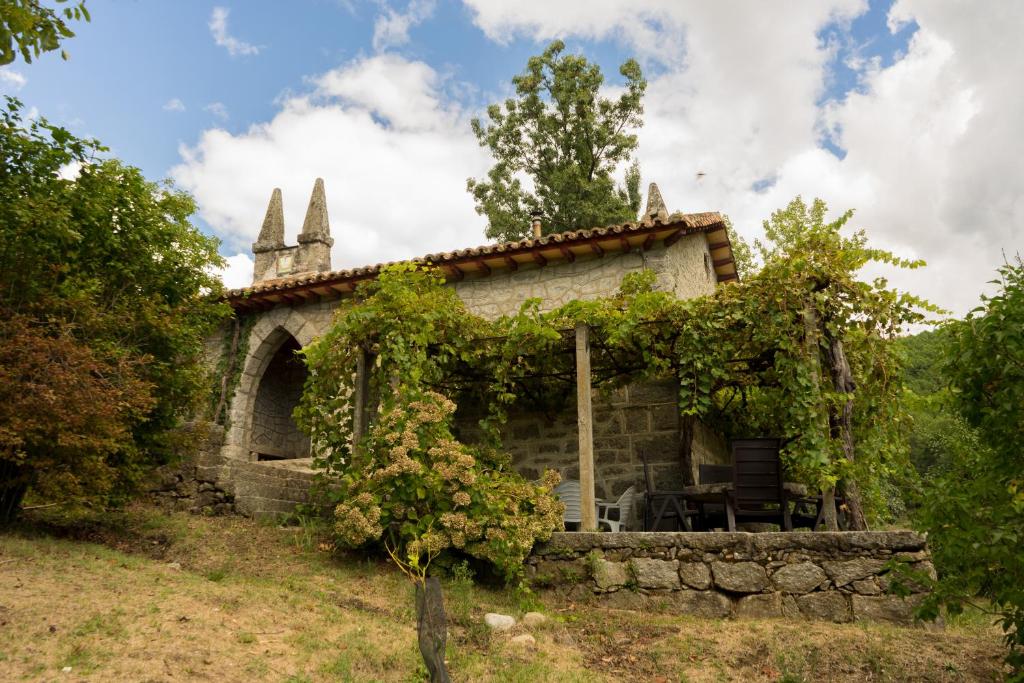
151,597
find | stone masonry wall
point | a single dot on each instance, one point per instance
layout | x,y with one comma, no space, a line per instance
634,420
835,576
681,268
210,483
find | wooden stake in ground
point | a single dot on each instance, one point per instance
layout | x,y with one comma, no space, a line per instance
432,628
585,422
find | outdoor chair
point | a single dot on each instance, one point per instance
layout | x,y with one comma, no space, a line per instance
758,494
664,505
569,493
617,516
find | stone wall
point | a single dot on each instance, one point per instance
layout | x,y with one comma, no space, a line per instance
683,269
210,483
638,419
835,576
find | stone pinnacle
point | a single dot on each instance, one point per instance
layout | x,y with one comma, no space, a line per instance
272,232
655,204
316,223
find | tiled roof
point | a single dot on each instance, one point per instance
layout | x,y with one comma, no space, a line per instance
483,260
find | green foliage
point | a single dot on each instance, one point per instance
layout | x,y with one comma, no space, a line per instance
30,28
568,140
743,359
109,262
410,484
973,507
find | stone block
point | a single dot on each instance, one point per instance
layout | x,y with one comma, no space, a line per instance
709,604
647,393
695,575
759,606
825,605
739,577
609,575
665,417
799,578
843,572
866,586
883,608
650,573
637,420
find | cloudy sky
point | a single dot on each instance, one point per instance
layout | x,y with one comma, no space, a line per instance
910,112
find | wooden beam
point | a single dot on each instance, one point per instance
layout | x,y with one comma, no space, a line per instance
539,258
649,242
484,268
596,248
718,245
625,243
511,262
723,261
362,390
674,237
585,422
456,273
567,253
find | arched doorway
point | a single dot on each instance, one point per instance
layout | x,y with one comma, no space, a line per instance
275,436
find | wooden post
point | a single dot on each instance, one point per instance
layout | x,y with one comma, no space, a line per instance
359,397
585,420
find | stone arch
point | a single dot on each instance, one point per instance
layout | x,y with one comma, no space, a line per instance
280,328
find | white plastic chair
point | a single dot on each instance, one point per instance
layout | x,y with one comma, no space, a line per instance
621,510
569,493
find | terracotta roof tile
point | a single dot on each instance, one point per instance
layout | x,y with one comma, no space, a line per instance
692,222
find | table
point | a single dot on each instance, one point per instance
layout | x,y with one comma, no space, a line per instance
721,492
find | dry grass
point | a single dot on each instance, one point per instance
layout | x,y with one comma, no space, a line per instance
145,596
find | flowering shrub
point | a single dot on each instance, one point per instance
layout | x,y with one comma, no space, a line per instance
414,486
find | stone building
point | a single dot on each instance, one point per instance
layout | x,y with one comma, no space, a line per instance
262,459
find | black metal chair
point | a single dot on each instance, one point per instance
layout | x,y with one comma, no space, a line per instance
660,506
758,494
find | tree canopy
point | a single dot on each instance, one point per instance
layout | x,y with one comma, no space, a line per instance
104,308
973,506
568,141
30,28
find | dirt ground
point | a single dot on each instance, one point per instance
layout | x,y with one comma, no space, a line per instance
149,596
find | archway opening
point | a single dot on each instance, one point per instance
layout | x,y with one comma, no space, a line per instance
275,436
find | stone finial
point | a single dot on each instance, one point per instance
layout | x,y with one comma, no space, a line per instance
316,225
272,233
655,204
535,223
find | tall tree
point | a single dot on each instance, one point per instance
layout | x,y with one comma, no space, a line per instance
30,28
109,279
973,507
567,140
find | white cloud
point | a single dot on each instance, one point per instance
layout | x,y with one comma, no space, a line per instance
237,271
217,109
391,28
219,30
174,104
12,78
932,163
393,152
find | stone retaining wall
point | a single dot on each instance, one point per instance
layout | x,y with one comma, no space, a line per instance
211,483
838,576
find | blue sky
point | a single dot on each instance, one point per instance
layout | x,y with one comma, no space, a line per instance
871,105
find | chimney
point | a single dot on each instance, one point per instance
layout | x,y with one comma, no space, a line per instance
535,217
